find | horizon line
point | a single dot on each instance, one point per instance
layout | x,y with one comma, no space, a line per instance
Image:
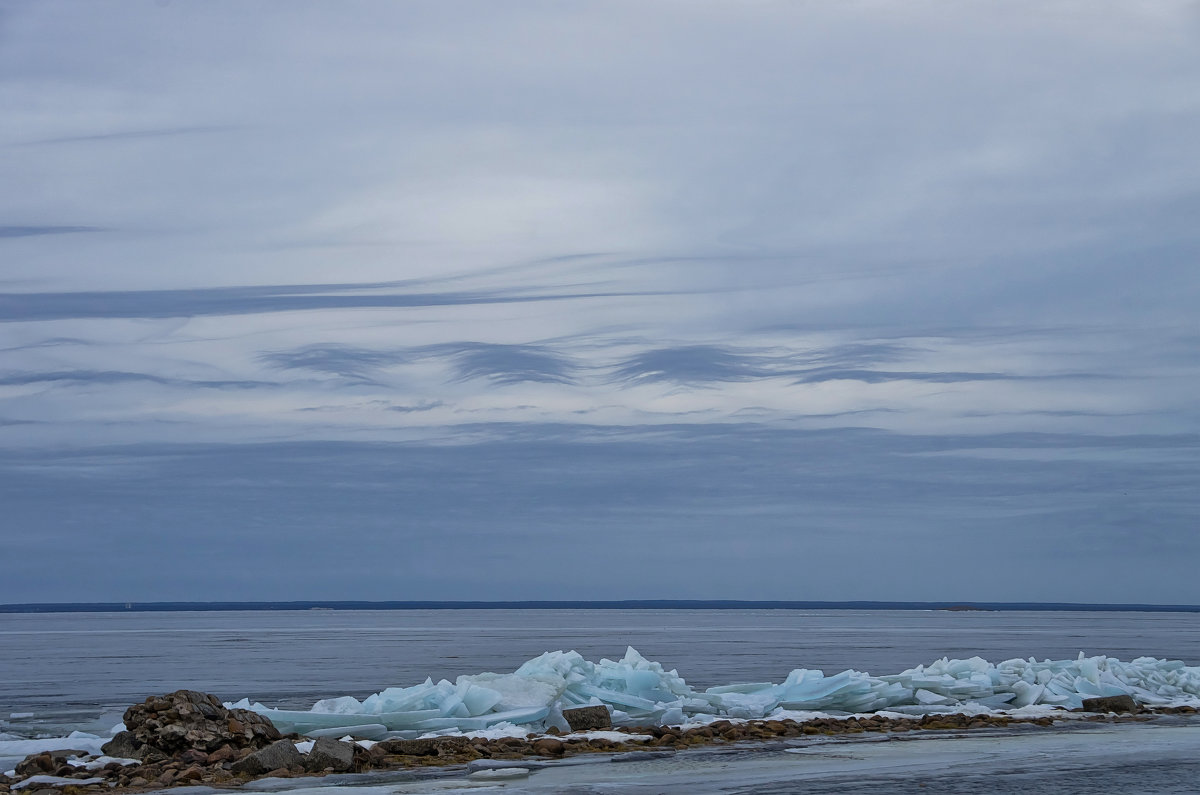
581,604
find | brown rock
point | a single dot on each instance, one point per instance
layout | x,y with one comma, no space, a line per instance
1110,704
223,754
138,781
36,764
587,718
432,746
193,756
548,746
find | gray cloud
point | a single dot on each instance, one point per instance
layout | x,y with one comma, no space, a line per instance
34,231
356,364
108,377
820,374
125,135
507,364
695,364
243,301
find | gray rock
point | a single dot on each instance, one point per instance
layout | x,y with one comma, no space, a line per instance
1110,704
582,719
328,752
123,745
278,754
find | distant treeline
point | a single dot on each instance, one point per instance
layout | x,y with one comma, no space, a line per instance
628,604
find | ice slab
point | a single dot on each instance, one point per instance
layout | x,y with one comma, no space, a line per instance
638,691
37,782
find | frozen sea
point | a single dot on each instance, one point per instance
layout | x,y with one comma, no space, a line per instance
78,671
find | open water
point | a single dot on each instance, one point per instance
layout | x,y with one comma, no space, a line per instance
71,668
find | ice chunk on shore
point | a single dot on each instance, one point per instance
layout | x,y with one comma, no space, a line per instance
640,691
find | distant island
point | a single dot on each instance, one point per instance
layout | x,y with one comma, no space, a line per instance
628,604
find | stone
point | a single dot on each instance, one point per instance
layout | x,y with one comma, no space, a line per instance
193,756
223,754
548,746
330,753
1110,704
430,746
36,764
587,718
279,754
123,745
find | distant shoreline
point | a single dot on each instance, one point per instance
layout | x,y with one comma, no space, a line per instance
629,604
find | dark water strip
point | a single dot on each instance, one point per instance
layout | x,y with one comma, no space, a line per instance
628,604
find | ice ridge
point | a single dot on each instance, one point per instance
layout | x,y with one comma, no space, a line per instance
641,692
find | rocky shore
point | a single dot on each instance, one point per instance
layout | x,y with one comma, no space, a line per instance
186,738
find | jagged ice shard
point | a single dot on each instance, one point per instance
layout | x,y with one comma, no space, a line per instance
640,692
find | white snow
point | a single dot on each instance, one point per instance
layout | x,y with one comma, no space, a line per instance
101,761
616,737
77,740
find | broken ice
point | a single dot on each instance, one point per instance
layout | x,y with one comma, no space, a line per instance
640,692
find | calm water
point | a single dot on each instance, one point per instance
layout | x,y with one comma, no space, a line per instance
70,668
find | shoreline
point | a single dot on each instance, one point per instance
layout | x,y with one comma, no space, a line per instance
455,754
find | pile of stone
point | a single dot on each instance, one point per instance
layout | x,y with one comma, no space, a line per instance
192,724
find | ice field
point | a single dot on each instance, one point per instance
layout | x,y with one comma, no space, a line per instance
641,692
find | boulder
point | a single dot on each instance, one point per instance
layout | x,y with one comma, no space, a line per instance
1110,704
587,718
36,764
123,745
330,753
279,754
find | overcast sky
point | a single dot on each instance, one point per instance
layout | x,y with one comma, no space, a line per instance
542,300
